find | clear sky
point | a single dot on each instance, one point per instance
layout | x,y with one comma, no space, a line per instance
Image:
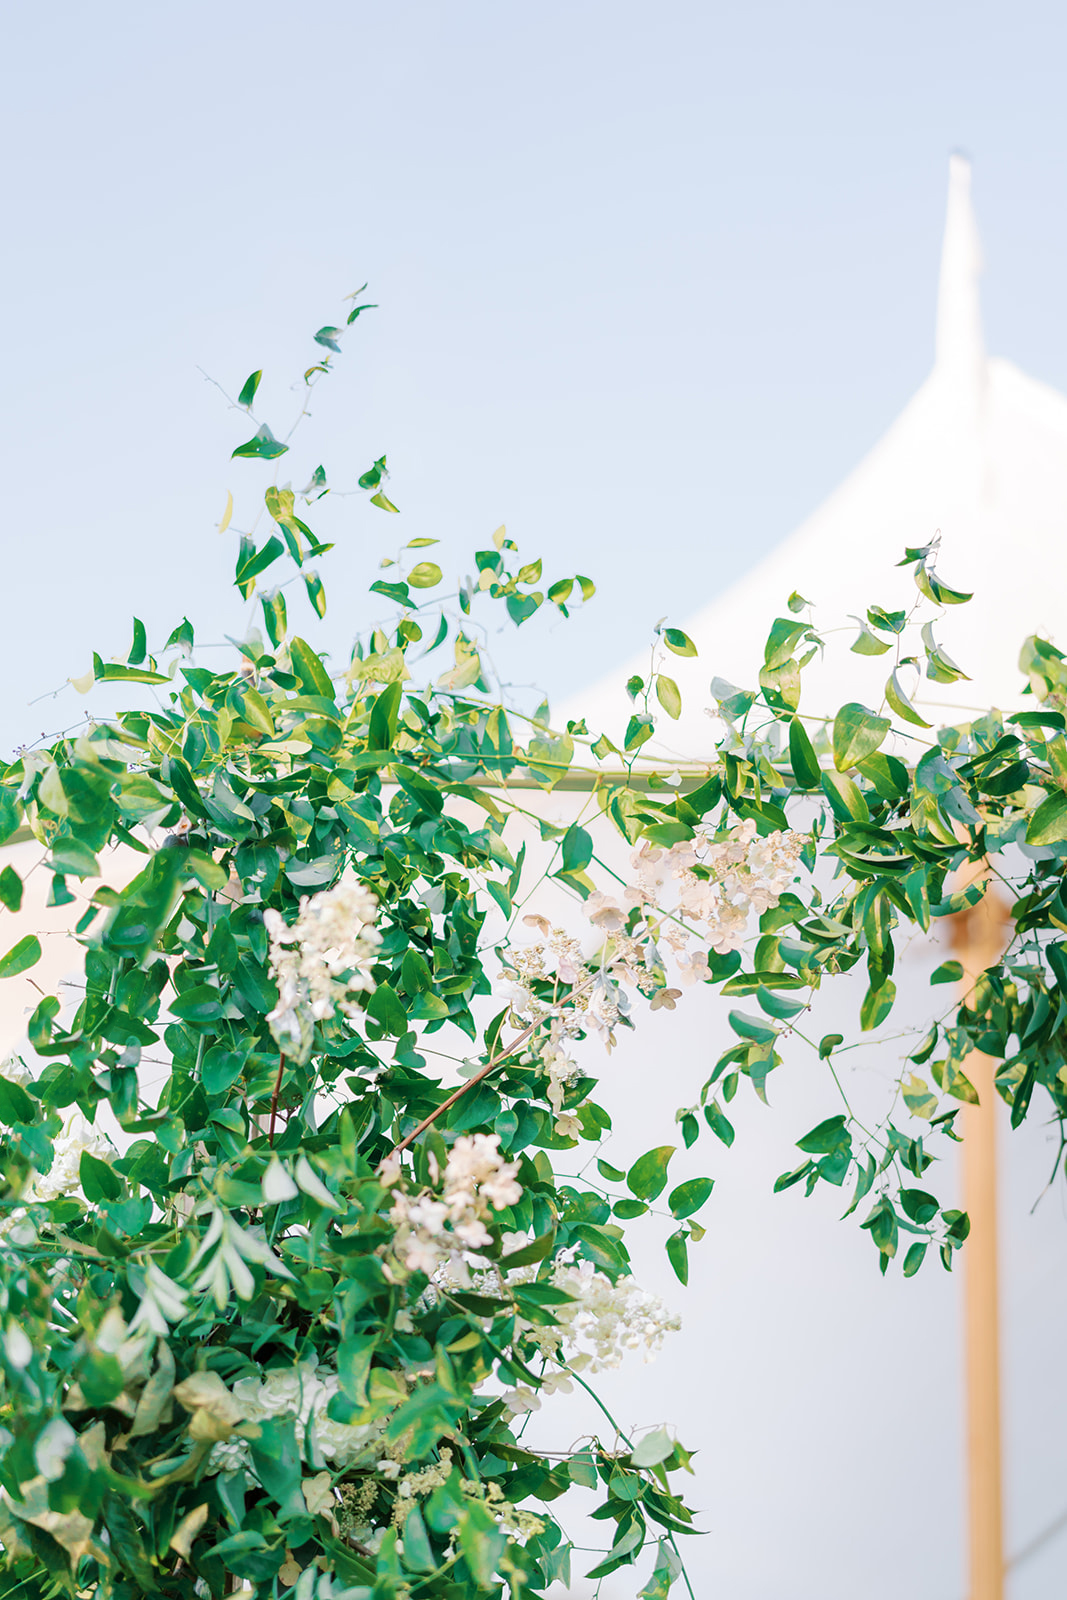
651,278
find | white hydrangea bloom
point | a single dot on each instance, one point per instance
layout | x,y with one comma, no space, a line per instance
302,1392
321,962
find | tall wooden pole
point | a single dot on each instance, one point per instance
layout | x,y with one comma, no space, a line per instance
979,938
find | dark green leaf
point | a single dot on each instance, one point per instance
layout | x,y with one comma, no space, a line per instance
802,757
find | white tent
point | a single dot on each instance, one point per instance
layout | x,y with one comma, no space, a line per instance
826,1402
979,455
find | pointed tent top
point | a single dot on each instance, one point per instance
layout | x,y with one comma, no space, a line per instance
960,346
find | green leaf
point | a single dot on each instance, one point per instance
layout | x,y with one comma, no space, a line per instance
383,717
418,1552
328,337
98,1180
648,1176
929,584
846,801
119,672
248,390
826,1137
384,1006
276,1459
307,665
918,1098
10,889
857,734
947,972
1048,825
679,642
888,621
16,1106
354,1365
199,1004
914,1259
424,575
900,703
678,1256
263,445
780,641
316,593
719,1123
21,957
638,730
752,1027
536,1250
802,757
828,1044
689,1196
251,562
918,1205
669,695
9,816
877,1004
655,1447
868,644
577,849
382,501
139,647
882,1224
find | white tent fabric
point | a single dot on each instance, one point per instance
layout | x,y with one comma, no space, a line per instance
827,1402
980,456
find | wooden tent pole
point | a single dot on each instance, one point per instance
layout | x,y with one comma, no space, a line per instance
979,940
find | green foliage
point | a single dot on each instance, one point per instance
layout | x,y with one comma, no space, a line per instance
284,1334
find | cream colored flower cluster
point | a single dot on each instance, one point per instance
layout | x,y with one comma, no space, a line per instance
431,1231
302,1392
601,1324
609,1319
321,962
561,1071
557,959
718,882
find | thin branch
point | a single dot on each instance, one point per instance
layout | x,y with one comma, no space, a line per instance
494,1061
274,1100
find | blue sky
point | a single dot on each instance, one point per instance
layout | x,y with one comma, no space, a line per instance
651,279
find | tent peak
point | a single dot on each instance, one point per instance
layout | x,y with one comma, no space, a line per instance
960,346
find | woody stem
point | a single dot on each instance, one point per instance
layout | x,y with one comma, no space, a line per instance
274,1100
493,1062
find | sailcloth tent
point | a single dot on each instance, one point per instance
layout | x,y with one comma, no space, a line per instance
827,1403
979,457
